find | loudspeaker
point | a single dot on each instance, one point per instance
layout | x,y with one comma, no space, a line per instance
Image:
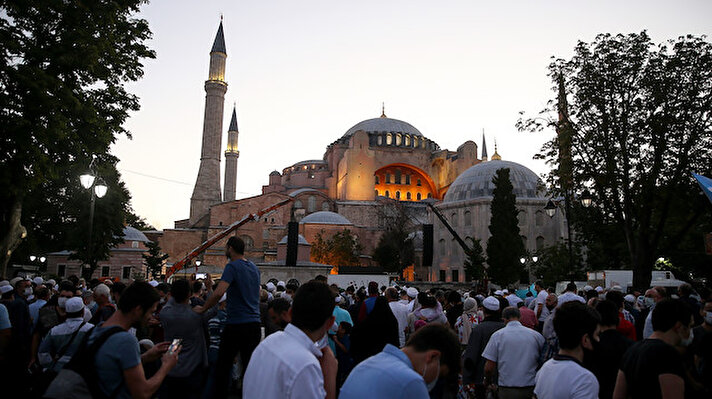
427,245
292,242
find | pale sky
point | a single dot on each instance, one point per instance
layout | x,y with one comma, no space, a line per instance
304,72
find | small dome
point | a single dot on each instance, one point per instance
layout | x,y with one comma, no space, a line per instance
383,125
132,234
325,217
476,181
275,173
300,241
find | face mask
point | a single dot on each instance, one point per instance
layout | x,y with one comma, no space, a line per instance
430,385
708,318
28,291
323,342
91,305
688,341
287,297
162,301
649,302
61,301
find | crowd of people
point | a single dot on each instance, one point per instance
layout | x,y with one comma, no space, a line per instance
198,338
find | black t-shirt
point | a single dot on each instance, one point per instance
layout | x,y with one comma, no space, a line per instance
605,360
644,362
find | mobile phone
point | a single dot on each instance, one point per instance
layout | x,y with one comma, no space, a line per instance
200,276
174,345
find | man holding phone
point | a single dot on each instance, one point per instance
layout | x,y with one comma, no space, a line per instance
241,281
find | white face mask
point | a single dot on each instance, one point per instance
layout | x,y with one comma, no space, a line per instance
649,302
708,318
28,291
688,341
61,301
430,385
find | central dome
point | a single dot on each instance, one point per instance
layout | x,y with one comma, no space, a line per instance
476,182
383,125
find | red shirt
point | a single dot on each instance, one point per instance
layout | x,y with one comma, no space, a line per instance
528,318
626,328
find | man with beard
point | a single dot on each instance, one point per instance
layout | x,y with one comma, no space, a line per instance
118,360
278,311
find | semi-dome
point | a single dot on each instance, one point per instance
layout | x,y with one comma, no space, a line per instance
325,217
476,181
132,234
383,124
300,240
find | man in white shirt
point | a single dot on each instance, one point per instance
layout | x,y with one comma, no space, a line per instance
400,311
563,376
293,363
540,305
412,294
514,352
570,295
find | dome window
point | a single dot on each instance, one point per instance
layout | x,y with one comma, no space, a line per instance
398,176
407,180
380,140
389,139
407,141
399,139
388,178
415,142
418,183
419,197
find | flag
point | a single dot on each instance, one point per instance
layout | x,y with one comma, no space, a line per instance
706,184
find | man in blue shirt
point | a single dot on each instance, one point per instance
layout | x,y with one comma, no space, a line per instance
432,352
241,281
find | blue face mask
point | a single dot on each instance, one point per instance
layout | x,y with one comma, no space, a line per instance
430,385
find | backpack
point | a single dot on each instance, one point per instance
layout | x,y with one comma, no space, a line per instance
79,378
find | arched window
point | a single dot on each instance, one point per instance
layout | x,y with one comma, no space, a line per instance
389,139
311,203
265,234
249,242
415,142
419,197
407,179
539,243
397,194
325,205
399,139
407,141
443,248
539,216
388,178
398,176
418,183
453,219
388,195
408,196
522,216
468,218
298,204
380,140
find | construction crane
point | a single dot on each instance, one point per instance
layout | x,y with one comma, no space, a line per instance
219,236
452,231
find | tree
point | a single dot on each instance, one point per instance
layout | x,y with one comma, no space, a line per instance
553,264
395,249
475,262
154,259
137,222
637,122
505,246
341,249
63,67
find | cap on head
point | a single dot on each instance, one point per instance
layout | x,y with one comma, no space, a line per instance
74,304
412,292
491,303
5,289
38,280
599,289
271,287
281,284
498,292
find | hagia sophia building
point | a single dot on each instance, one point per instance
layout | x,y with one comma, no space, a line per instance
371,165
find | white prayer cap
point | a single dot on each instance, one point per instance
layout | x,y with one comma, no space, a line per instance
4,283
74,304
5,289
51,282
153,283
587,288
15,280
505,292
491,303
498,292
412,292
599,289
38,280
223,298
629,298
617,288
271,287
281,284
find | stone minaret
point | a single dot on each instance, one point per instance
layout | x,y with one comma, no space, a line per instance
207,185
231,155
484,146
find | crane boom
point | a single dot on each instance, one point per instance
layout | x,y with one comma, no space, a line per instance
452,231
219,236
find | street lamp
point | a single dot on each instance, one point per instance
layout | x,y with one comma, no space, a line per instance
550,209
586,199
98,188
523,261
32,258
42,259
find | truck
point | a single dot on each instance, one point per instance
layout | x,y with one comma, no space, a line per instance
610,278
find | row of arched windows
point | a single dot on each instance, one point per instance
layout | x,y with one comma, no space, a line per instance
522,216
408,196
456,249
402,140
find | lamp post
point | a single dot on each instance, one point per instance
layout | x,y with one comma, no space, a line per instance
523,261
550,209
98,189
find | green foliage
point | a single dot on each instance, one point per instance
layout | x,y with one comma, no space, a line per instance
637,115
552,264
63,67
475,262
154,259
341,249
395,251
137,222
504,247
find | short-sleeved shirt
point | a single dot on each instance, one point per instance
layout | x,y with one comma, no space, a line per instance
243,294
4,318
388,374
643,364
541,299
516,350
561,378
120,352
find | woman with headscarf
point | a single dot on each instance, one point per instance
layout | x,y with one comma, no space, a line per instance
467,321
379,328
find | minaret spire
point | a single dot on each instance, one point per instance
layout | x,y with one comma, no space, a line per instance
383,110
484,146
207,185
496,156
231,155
